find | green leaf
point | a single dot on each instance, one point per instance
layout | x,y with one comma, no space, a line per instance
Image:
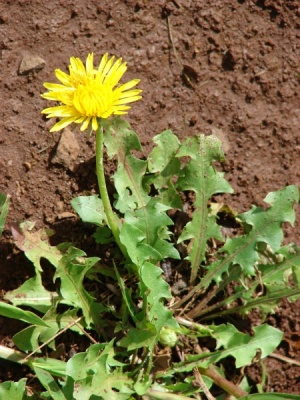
157,290
266,304
202,228
244,347
261,227
241,346
14,390
136,338
4,204
71,270
278,273
144,233
30,338
275,278
114,386
134,240
35,244
9,311
128,179
103,235
200,176
95,374
33,294
163,166
90,209
51,365
279,280
155,315
81,365
49,384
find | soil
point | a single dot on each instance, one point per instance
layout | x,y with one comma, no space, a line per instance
231,68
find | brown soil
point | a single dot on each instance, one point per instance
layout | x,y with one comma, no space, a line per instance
231,68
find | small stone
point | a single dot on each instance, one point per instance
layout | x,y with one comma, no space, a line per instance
30,63
67,150
151,52
65,215
60,205
27,166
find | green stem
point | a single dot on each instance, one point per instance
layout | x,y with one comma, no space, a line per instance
111,217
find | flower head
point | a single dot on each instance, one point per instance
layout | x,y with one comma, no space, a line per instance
87,94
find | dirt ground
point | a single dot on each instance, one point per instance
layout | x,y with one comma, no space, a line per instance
228,67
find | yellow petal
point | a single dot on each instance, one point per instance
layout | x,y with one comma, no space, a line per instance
62,124
94,123
90,63
120,108
130,93
102,63
63,77
61,111
55,87
85,124
115,73
108,66
76,65
128,85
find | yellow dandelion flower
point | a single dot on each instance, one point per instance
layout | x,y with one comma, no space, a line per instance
87,94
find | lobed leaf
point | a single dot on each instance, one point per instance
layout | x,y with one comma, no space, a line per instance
164,167
31,337
128,179
157,290
200,176
144,233
242,347
35,244
71,270
96,373
261,226
14,390
154,315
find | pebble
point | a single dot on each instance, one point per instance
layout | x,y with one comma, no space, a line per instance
67,150
65,215
31,63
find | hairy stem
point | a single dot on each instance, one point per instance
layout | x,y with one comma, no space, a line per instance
111,217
